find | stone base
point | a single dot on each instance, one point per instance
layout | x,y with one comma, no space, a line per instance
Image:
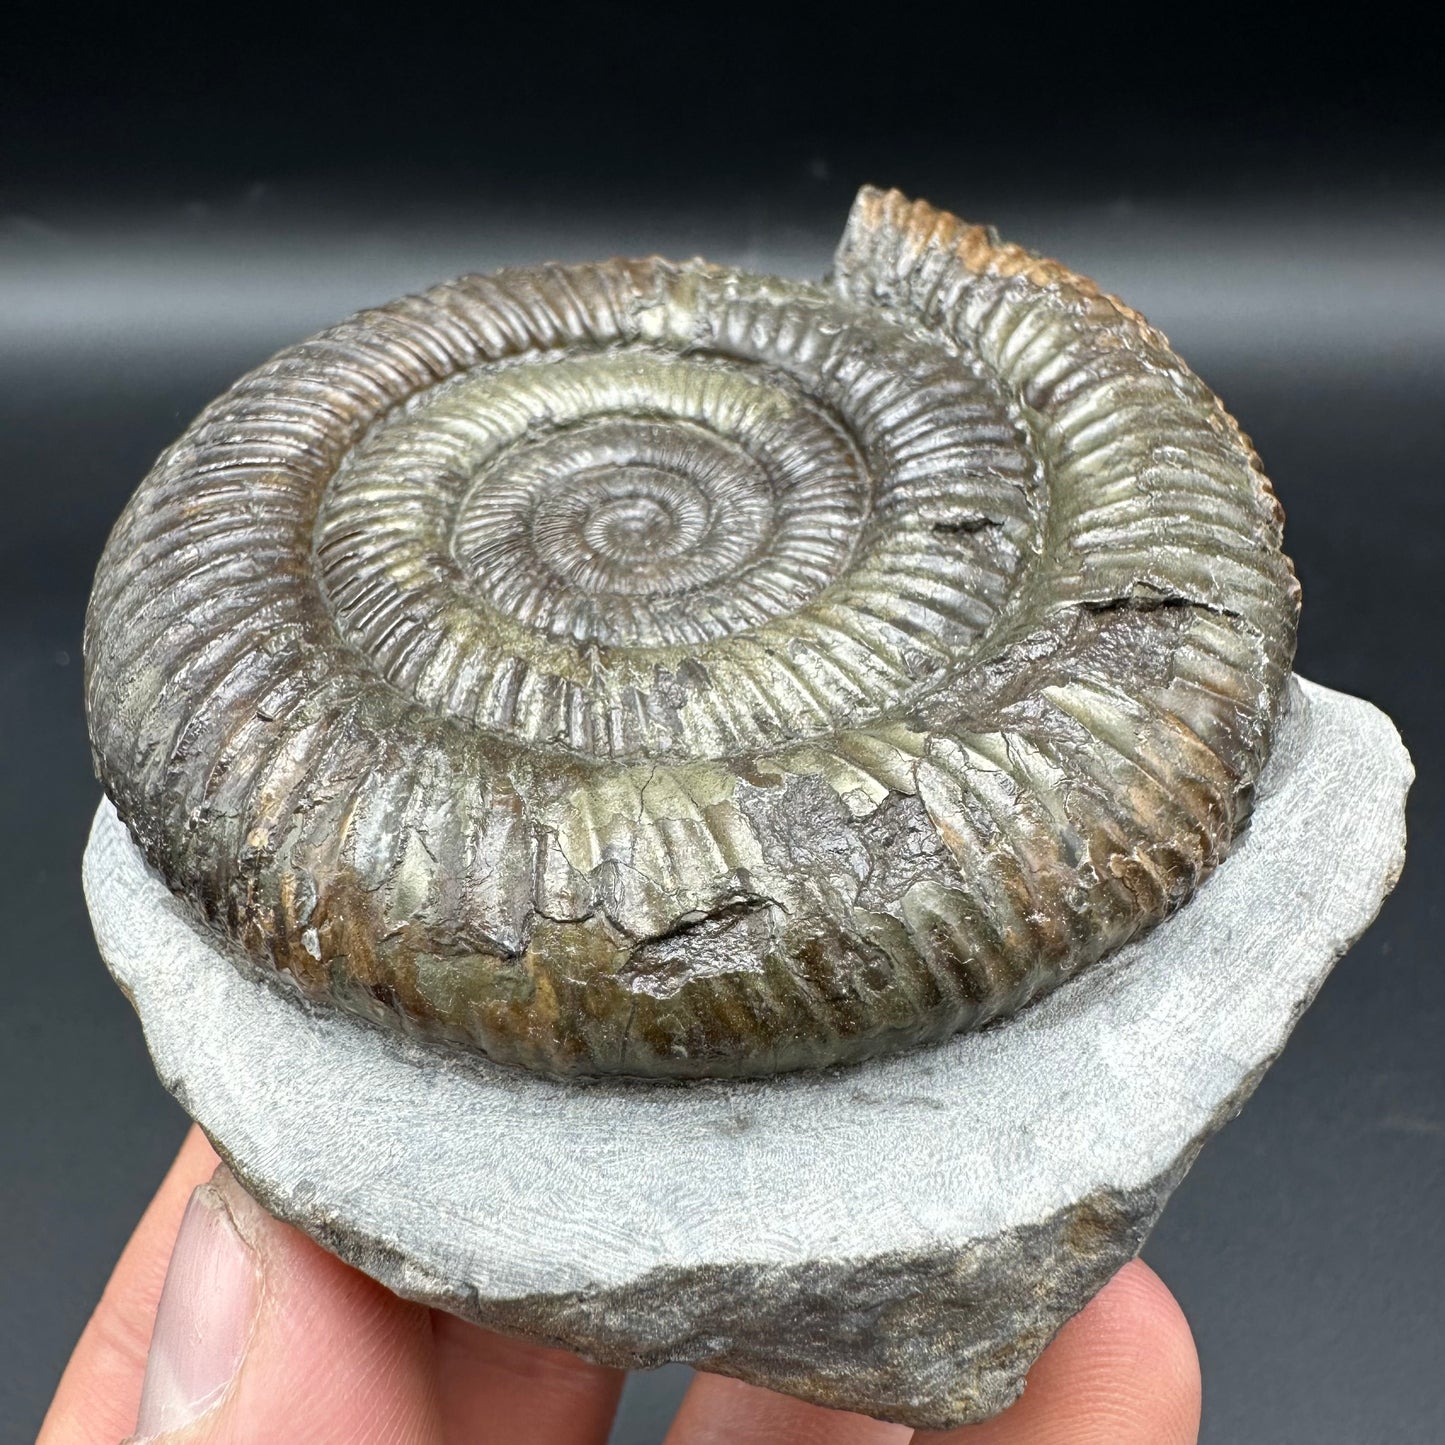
900,1238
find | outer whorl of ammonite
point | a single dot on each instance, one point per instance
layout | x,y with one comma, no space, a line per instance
658,669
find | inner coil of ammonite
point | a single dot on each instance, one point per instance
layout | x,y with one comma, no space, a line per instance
659,669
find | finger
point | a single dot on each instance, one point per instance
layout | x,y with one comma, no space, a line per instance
1122,1372
262,1336
494,1388
100,1390
719,1411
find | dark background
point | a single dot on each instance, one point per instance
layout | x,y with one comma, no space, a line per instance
181,194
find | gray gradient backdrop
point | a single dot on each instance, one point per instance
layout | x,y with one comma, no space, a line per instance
1307,1244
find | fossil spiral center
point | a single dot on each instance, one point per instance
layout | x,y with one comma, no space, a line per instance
634,525
628,531
742,517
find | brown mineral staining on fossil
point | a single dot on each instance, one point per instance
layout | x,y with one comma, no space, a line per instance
659,669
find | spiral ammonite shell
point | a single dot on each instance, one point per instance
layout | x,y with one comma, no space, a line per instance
663,670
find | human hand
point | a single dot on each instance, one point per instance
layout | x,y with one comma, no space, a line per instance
259,1337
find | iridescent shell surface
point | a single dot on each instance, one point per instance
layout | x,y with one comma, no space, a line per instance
659,669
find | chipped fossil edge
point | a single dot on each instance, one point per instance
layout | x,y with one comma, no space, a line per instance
901,1237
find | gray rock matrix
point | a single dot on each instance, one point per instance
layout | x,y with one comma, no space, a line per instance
901,1237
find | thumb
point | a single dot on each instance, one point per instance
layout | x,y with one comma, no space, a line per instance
261,1336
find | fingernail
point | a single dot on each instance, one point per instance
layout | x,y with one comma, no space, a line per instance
204,1320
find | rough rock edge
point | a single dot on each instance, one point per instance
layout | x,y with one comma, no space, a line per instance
689,1315
671,1315
830,1309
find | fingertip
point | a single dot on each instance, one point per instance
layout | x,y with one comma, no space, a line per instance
720,1411
333,1353
206,1313
314,1350
1135,1345
1123,1371
99,1393
491,1386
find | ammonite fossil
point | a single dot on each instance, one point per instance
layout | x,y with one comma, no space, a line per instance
659,669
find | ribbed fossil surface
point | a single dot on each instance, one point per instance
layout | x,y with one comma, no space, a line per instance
664,670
